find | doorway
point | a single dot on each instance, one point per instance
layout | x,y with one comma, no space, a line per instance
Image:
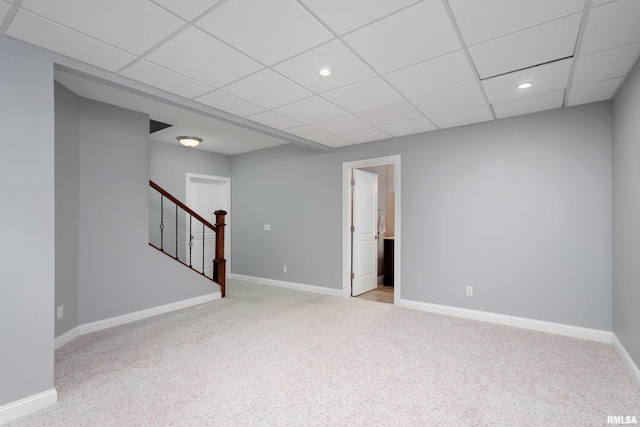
205,195
352,255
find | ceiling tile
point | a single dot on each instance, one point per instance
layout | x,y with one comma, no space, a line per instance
409,128
342,16
593,92
605,65
347,67
439,74
343,124
201,57
311,110
392,113
546,78
154,75
529,104
426,32
274,120
187,9
538,45
364,95
267,89
333,141
597,3
308,132
365,135
411,42
460,98
273,30
462,117
49,35
612,25
482,20
4,9
140,24
234,105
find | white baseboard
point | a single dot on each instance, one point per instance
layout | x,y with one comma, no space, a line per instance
380,279
67,337
28,405
501,319
289,285
519,322
132,317
626,360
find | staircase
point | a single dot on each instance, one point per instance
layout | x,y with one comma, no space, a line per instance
186,237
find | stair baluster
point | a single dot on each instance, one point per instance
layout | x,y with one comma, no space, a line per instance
219,263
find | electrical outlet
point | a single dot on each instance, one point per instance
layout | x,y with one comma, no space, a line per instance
469,291
284,269
267,227
60,312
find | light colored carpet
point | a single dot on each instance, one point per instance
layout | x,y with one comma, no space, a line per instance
271,356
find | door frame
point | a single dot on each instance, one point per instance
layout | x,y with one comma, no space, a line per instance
227,229
347,207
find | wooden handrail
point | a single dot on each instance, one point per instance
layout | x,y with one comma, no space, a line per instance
187,209
219,262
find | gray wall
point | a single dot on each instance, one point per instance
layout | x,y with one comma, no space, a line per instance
26,221
519,208
626,220
113,204
298,192
67,170
169,165
118,272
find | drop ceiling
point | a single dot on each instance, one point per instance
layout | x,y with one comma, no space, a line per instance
399,66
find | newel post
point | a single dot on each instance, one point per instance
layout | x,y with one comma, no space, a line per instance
219,263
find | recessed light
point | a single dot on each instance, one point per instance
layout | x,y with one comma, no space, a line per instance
189,141
325,72
525,85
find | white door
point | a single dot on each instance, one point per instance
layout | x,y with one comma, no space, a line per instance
205,195
364,236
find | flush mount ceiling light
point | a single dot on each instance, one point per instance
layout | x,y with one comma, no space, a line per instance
325,72
525,85
189,141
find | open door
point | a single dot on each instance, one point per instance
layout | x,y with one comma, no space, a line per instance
364,232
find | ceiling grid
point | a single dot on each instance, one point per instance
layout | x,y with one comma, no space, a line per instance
399,67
